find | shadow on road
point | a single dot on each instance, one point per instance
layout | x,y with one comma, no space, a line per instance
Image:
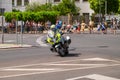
73,55
72,49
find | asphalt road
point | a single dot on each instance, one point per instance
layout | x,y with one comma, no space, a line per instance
92,57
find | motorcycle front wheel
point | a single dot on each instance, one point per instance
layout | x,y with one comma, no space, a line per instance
62,52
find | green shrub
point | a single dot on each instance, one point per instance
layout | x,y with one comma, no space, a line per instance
36,16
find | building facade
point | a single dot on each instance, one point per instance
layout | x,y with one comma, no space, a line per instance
82,4
20,5
6,4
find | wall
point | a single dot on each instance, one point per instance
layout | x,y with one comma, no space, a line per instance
7,4
84,7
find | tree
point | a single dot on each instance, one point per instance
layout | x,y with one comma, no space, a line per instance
66,6
119,7
36,7
112,6
15,10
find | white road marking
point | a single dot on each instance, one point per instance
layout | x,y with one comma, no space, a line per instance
50,63
40,64
61,70
83,60
77,64
31,69
14,68
39,41
98,59
95,77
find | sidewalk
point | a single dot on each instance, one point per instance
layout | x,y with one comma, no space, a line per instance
6,46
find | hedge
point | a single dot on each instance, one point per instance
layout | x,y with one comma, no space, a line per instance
36,16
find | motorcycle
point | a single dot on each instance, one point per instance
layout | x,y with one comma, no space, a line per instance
62,46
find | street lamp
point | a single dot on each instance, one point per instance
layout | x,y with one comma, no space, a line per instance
105,9
2,12
99,11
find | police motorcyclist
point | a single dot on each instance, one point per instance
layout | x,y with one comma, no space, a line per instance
53,37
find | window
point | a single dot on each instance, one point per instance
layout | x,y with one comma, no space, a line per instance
56,0
85,0
26,2
12,2
86,17
77,0
19,2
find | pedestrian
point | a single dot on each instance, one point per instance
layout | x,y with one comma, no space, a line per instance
75,27
83,26
68,28
78,29
98,27
91,26
103,28
114,26
64,26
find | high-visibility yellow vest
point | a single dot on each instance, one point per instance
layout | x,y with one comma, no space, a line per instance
57,37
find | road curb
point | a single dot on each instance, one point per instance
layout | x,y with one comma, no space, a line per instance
7,46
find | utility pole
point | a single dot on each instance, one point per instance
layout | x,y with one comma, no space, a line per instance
99,11
2,12
105,7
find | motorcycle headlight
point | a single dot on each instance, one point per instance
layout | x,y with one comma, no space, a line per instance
68,39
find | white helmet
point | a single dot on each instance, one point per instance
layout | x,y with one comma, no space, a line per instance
52,26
